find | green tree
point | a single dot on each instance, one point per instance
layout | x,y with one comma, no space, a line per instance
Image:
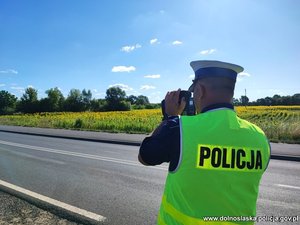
29,101
268,100
115,98
261,101
244,100
132,99
98,105
7,102
235,101
115,95
296,99
54,101
86,99
142,100
74,101
277,100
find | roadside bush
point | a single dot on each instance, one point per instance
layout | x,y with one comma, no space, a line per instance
118,106
78,123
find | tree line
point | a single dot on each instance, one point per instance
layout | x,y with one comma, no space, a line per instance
269,101
115,100
76,101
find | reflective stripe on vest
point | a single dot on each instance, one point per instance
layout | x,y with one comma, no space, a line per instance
184,219
222,160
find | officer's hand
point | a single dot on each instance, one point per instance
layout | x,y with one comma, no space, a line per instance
173,105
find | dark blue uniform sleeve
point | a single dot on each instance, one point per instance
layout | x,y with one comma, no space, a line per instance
163,145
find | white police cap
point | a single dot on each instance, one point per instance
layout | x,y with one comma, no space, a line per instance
212,68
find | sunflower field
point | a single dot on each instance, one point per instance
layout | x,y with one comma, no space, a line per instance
280,123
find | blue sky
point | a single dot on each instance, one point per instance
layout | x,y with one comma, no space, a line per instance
145,47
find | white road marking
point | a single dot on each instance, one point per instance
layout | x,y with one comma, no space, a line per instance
82,155
287,186
34,157
51,201
280,204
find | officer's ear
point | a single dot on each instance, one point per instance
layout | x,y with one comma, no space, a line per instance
199,93
200,90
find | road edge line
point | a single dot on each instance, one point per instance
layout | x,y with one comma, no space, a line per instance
118,142
286,158
56,207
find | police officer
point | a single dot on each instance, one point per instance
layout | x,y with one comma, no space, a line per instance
216,159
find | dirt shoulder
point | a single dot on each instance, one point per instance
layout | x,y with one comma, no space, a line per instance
14,211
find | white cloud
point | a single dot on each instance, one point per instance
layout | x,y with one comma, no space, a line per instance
147,87
208,51
9,71
127,48
154,41
2,85
30,86
244,74
18,88
192,76
130,48
177,43
241,76
124,87
153,76
123,69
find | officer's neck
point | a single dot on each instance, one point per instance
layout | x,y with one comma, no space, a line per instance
215,104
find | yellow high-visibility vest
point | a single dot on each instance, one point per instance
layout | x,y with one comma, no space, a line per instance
217,179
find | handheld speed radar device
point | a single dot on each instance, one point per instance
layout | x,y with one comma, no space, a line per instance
189,109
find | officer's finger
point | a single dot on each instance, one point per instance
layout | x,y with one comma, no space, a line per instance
182,105
171,95
169,99
176,95
168,93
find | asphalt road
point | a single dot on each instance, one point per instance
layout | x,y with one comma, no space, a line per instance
278,149
108,180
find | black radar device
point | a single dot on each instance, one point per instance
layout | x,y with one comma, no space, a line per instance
189,109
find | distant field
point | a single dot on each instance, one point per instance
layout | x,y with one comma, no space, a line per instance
280,123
